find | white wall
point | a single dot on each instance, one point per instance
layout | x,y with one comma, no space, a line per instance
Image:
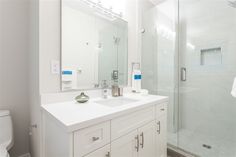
34,79
50,41
14,40
49,44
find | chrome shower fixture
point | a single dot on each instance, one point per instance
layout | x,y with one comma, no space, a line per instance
142,30
232,3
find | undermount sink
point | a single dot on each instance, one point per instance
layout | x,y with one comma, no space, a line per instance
115,102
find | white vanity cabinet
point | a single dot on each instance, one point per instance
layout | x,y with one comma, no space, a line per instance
147,140
135,133
161,130
141,139
138,143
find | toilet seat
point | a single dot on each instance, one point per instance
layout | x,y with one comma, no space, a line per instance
3,152
6,133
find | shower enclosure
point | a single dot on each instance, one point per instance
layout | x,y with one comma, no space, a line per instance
189,54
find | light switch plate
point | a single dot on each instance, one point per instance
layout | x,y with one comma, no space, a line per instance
55,67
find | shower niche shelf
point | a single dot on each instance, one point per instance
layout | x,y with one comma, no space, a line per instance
211,56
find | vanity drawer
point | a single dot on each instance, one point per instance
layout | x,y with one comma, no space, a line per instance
90,139
127,123
161,110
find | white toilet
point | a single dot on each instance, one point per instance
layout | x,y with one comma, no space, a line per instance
6,133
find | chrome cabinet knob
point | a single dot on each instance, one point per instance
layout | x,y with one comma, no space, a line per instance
95,139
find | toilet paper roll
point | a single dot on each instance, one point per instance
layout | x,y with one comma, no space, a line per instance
233,92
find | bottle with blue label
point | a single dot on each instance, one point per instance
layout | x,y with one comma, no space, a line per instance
136,81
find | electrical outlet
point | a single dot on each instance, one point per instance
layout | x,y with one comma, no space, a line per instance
55,67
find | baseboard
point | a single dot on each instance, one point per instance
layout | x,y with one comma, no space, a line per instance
25,155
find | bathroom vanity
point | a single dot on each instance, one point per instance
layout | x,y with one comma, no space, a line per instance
134,125
129,126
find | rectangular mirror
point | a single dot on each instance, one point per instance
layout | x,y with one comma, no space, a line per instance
94,44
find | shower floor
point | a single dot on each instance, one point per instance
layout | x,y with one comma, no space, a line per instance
193,142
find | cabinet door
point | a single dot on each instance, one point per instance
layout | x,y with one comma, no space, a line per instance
147,140
102,152
126,146
161,136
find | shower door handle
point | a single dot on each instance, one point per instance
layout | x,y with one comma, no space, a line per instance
183,74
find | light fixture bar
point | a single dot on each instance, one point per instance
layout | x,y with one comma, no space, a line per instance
102,10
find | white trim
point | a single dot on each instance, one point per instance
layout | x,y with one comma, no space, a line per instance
25,155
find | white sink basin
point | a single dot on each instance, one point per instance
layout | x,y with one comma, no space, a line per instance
115,102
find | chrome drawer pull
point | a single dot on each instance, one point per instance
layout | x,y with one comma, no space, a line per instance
162,109
95,139
137,140
142,136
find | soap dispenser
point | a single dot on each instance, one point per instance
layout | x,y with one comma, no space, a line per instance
136,78
115,86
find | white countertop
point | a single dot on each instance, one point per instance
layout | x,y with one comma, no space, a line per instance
74,116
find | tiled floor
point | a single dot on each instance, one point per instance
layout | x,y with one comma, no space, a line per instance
193,142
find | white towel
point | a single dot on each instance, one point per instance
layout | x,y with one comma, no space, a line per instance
233,92
69,79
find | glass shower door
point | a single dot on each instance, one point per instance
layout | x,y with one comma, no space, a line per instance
207,67
160,57
192,59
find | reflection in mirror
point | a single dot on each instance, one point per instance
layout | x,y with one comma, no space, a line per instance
93,46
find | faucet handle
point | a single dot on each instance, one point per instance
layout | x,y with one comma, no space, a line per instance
115,75
96,85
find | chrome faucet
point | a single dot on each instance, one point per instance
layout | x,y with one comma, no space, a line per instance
104,89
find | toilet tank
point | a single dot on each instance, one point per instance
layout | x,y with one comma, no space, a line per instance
6,133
